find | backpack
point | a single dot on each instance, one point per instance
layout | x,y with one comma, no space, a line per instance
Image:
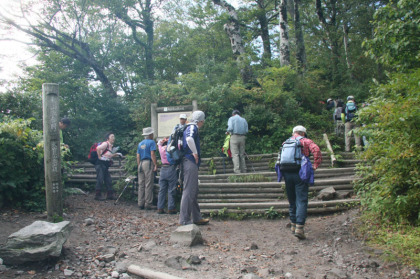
174,148
93,154
291,155
350,111
337,113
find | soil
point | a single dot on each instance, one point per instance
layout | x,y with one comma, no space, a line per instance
231,249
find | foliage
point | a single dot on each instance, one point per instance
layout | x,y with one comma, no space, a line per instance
22,164
271,213
397,35
390,184
399,242
248,178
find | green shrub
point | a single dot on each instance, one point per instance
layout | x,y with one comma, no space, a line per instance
21,165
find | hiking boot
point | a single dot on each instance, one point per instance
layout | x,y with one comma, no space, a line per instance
141,207
110,195
172,211
98,195
160,211
202,222
293,227
299,233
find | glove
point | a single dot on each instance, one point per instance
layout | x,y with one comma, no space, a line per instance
119,154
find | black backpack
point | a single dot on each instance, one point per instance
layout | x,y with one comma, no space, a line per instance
351,109
174,147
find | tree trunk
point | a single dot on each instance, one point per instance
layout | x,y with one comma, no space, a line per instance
284,35
300,43
265,36
233,31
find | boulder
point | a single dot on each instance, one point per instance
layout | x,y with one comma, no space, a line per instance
188,235
36,242
326,194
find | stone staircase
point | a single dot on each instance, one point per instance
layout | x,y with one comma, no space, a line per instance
221,189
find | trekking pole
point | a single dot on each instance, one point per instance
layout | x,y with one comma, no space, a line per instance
250,162
128,180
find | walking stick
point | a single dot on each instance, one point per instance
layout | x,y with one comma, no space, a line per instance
129,180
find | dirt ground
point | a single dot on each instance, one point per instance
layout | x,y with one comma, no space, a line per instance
232,249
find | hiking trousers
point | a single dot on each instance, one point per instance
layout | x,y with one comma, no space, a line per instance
167,184
237,147
297,194
145,177
102,177
190,210
349,126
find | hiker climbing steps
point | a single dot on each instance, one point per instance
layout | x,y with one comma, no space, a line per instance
236,193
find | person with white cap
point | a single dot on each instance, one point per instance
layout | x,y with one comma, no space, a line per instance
190,210
296,189
237,128
350,114
147,165
330,104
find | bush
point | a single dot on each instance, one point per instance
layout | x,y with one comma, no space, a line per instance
390,184
22,164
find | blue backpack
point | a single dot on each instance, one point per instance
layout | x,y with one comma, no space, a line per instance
174,152
350,111
290,157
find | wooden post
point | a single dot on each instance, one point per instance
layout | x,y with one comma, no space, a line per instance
52,157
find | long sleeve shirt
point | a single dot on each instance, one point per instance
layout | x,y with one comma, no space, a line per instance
162,152
308,146
237,125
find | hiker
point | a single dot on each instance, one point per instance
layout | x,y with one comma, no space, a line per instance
338,122
182,122
330,104
238,128
63,124
102,164
348,116
190,210
167,179
297,176
147,165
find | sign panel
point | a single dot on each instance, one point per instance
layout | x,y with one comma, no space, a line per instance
167,121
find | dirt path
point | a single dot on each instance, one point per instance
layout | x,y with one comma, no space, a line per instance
231,250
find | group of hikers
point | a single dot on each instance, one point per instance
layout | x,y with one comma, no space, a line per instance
293,164
343,116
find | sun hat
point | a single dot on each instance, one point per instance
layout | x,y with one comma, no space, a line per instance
183,116
147,131
198,116
299,128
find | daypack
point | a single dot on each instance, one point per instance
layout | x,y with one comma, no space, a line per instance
337,113
174,147
291,154
350,111
93,154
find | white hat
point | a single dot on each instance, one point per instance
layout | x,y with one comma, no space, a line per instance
329,99
350,97
198,116
183,116
147,131
299,128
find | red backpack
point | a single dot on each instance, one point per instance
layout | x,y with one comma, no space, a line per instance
93,154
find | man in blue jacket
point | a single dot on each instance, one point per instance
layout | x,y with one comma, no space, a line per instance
190,210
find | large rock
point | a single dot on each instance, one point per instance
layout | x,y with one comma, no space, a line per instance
188,235
36,242
326,194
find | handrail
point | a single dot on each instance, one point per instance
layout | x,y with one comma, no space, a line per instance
333,159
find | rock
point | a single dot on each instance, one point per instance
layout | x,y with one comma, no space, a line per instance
178,263
148,246
288,275
251,276
336,273
36,242
326,194
115,274
107,258
125,276
122,266
249,269
188,235
254,246
2,267
89,221
194,260
343,194
68,272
